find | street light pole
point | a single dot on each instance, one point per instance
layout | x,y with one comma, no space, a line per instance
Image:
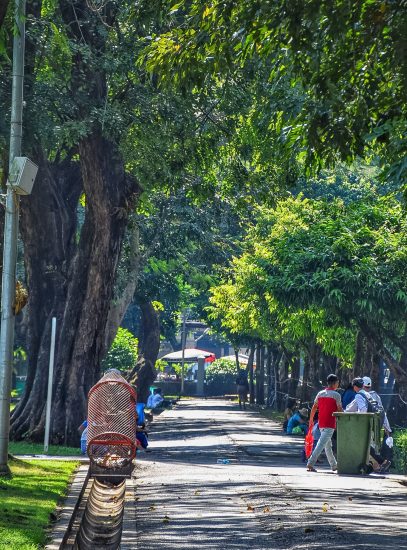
10,238
183,341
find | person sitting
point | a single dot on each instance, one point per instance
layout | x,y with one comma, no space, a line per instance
155,400
298,420
83,431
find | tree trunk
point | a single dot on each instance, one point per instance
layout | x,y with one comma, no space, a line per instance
81,278
315,361
236,350
259,375
144,373
276,358
305,388
269,375
398,368
118,307
250,370
357,360
375,371
284,381
294,380
48,225
3,10
329,365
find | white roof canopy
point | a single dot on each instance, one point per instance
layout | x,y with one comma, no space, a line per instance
190,355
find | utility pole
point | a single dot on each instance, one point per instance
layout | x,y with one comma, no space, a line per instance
183,341
10,238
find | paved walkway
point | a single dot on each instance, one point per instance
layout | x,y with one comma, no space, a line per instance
263,498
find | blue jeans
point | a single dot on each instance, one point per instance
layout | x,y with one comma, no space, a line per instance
325,442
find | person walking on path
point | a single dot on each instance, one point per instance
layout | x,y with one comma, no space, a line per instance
326,402
242,388
360,405
367,386
386,451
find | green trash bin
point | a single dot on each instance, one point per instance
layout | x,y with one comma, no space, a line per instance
354,435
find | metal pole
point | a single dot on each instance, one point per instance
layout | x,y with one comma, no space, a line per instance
200,382
183,337
10,238
50,379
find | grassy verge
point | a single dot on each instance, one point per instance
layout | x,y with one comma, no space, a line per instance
28,498
272,415
400,451
25,448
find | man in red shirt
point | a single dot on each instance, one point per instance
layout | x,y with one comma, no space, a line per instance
326,402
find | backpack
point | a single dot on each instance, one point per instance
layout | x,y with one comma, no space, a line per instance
373,406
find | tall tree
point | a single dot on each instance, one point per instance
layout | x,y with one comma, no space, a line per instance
81,270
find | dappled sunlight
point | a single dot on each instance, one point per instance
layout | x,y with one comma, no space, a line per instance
262,497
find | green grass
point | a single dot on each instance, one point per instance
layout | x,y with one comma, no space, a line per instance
400,451
28,498
272,415
25,448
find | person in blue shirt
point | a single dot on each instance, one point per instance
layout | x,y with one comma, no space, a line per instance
299,419
348,396
83,430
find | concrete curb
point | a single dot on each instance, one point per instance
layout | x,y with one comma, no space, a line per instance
74,491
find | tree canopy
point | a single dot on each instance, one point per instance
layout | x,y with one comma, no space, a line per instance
347,60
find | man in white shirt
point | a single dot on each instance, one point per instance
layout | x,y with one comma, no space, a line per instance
359,404
367,386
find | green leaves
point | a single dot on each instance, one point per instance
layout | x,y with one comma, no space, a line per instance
349,59
123,352
313,269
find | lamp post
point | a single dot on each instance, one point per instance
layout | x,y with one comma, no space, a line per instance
183,341
10,238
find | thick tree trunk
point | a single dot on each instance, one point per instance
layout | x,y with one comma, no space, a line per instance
48,226
144,373
83,276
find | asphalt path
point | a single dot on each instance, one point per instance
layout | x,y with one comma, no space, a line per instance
261,497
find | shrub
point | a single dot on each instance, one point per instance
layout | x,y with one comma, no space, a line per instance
221,376
123,352
400,450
